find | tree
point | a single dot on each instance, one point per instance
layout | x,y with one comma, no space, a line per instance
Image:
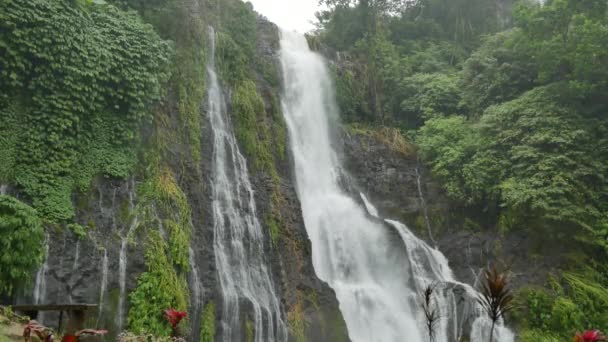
554,167
500,70
431,312
496,298
21,243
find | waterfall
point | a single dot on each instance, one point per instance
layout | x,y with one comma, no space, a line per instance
377,268
369,206
238,238
104,283
76,256
423,206
122,258
40,284
197,293
3,188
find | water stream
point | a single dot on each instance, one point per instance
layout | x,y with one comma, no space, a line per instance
104,284
41,275
76,256
243,273
378,268
196,287
423,206
122,258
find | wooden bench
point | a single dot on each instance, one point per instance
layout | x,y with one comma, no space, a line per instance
76,313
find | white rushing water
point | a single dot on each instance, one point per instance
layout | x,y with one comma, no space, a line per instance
423,205
122,258
104,284
378,269
195,282
40,283
369,206
238,239
76,256
196,300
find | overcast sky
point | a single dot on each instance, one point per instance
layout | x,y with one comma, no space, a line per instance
289,14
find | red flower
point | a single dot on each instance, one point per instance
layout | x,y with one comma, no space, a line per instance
174,317
590,336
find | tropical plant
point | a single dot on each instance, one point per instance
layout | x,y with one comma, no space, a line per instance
431,313
590,336
495,296
21,243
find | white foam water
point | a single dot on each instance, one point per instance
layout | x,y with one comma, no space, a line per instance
122,259
244,277
377,269
104,284
41,275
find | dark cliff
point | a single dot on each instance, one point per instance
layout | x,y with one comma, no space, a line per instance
387,169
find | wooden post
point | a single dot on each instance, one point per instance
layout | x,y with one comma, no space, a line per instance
60,319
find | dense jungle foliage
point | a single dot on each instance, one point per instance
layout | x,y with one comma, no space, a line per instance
114,89
506,101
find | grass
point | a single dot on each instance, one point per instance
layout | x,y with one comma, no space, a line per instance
389,136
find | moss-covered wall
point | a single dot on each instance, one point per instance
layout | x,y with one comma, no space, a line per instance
102,132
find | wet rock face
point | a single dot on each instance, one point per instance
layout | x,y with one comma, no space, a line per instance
389,178
75,266
305,298
393,181
88,269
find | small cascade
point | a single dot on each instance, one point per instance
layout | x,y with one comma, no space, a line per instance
371,209
104,284
3,189
195,281
423,206
481,331
76,256
244,277
122,258
196,286
430,267
40,284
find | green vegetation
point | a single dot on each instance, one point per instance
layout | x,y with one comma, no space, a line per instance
249,331
256,112
162,203
296,320
114,88
208,323
171,210
71,113
249,109
506,103
573,302
21,243
159,288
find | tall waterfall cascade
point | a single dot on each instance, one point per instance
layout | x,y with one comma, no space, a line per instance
244,277
378,268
